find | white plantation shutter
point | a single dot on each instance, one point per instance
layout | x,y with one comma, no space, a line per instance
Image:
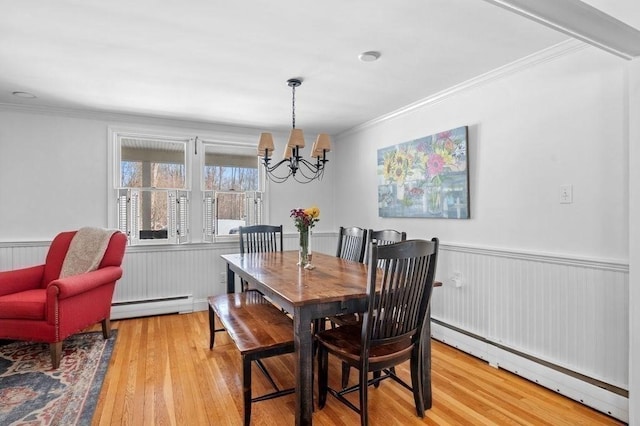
123,208
172,212
134,216
208,217
253,207
182,217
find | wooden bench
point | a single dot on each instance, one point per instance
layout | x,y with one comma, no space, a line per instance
259,330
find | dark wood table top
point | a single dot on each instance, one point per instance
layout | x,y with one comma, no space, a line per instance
333,279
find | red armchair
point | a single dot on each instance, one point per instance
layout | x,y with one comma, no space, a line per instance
37,305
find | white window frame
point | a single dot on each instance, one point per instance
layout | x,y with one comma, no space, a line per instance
178,198
254,199
194,185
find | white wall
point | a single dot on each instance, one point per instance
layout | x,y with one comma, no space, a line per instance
49,158
560,122
563,120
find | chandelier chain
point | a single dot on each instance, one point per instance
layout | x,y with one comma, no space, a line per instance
293,106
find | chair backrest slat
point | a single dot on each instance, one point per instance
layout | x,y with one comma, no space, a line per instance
260,238
352,243
405,275
384,237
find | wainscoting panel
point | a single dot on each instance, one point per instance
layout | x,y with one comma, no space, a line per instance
569,314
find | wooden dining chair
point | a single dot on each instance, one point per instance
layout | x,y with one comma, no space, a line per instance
352,243
398,297
381,237
384,237
259,239
253,239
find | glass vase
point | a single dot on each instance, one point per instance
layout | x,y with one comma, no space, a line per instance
303,253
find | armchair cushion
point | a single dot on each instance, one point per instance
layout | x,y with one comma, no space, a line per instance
28,305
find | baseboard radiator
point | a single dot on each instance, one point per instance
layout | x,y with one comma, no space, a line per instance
559,321
144,308
596,394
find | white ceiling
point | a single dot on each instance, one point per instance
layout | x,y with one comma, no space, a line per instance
228,61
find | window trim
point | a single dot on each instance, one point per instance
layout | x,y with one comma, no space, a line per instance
194,166
262,181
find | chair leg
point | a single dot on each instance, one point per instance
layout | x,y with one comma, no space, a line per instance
56,354
376,375
212,327
106,328
323,376
345,374
246,389
364,411
416,382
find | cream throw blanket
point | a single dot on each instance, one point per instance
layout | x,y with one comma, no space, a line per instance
86,251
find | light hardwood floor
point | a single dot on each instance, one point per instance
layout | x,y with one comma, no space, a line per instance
163,373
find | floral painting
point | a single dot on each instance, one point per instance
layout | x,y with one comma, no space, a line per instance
426,177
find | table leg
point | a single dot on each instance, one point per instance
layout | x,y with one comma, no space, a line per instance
303,341
231,280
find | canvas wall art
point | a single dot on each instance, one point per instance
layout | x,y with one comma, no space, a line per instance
426,177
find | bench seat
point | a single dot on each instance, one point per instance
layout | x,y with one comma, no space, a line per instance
258,329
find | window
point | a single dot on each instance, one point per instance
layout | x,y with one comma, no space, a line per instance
156,188
230,184
153,196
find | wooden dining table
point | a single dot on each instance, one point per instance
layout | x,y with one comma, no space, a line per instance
334,286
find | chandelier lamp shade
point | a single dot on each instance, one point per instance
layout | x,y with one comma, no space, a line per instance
293,164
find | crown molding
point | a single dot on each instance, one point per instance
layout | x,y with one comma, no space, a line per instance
581,21
540,57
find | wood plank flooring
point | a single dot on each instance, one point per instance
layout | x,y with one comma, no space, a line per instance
163,373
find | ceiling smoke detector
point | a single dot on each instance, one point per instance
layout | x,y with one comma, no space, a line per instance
369,56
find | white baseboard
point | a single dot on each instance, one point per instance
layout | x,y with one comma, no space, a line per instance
603,400
144,308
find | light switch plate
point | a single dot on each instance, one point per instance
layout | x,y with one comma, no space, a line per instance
566,194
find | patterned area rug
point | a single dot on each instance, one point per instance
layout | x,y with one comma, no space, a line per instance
32,393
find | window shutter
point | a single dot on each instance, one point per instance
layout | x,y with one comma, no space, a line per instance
253,208
216,204
134,216
207,216
123,211
183,217
172,222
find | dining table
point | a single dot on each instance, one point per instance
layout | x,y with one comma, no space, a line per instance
332,286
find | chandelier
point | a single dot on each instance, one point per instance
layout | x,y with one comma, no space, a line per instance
295,166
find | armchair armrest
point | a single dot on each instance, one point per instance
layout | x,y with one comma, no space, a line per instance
20,279
76,284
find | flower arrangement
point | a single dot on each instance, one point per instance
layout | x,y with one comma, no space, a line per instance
305,219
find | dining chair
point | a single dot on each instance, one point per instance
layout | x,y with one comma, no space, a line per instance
352,243
381,237
398,297
253,239
384,237
259,239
